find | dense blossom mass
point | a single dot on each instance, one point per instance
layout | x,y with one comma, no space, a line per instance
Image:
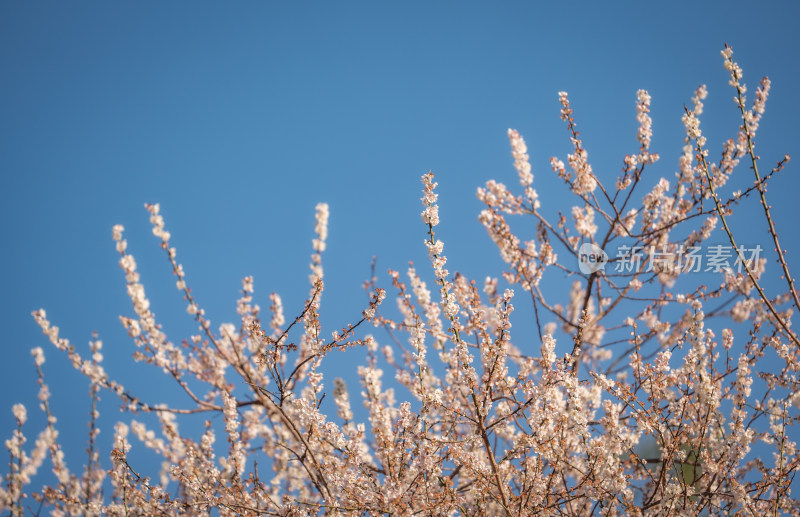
650,391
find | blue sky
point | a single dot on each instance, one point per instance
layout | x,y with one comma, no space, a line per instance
238,118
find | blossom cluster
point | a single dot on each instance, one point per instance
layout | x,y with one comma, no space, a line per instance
637,391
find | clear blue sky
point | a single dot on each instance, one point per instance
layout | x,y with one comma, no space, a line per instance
239,117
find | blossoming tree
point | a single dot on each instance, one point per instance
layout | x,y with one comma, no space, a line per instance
471,425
